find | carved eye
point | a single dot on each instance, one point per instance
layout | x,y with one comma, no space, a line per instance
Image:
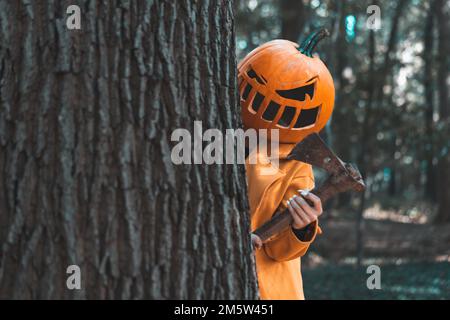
253,75
299,93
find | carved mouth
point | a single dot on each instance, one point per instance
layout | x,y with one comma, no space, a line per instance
306,118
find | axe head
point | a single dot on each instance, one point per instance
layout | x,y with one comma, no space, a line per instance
314,151
343,177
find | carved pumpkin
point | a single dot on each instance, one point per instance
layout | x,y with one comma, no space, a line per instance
286,88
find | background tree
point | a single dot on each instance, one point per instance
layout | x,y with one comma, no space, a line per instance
86,176
293,17
443,166
428,84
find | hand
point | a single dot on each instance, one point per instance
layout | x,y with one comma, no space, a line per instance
302,213
256,242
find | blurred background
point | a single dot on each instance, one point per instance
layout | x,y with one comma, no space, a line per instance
391,118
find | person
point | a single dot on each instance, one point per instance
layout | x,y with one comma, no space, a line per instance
286,88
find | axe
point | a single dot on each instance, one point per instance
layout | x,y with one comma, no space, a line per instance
342,177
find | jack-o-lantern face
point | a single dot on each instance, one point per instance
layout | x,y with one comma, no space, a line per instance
286,89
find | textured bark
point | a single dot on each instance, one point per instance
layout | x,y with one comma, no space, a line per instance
86,176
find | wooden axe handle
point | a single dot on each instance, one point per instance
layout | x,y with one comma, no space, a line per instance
283,220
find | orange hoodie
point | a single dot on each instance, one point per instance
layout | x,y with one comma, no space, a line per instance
278,261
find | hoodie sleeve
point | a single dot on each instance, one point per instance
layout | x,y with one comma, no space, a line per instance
287,246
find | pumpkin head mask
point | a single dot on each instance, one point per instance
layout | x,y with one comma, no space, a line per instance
286,88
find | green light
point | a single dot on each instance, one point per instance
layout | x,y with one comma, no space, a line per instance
350,25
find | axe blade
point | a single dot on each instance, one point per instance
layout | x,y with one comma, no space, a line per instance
314,151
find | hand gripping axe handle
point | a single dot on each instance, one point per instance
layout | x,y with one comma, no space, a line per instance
342,177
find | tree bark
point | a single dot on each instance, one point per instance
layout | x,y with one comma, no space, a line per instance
86,176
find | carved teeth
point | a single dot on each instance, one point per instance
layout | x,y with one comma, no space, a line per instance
310,91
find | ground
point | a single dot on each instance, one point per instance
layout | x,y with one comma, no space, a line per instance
414,257
406,281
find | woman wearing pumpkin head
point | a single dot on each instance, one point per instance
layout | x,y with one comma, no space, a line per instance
284,87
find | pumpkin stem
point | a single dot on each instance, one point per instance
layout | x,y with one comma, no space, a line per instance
310,43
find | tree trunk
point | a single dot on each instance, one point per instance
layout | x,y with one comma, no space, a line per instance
430,182
293,18
376,81
86,176
339,121
363,157
443,195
